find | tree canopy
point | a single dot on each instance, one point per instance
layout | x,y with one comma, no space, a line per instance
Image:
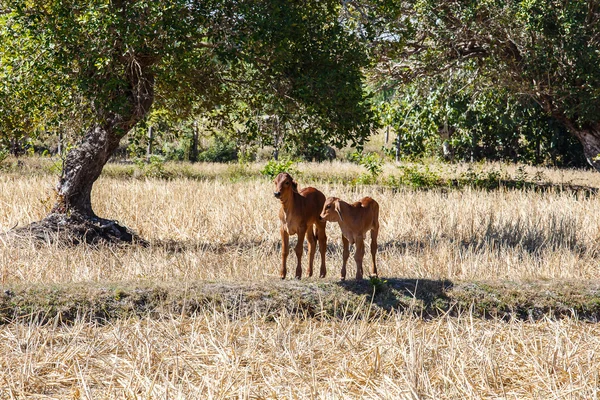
291,59
300,67
543,50
104,63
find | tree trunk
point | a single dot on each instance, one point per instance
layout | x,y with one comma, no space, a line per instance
82,168
589,136
72,218
60,144
276,139
84,163
149,144
15,147
194,149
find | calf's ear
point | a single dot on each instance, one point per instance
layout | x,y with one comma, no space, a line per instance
295,186
338,209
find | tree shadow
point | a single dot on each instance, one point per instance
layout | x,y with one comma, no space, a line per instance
182,246
582,191
490,236
406,245
490,185
493,236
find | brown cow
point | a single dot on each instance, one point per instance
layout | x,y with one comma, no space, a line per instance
355,220
299,213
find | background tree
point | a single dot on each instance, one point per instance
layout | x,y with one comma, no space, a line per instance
113,59
545,50
479,123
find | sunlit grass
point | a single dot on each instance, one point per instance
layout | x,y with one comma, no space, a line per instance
215,355
228,230
220,223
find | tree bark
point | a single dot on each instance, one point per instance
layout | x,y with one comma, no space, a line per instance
194,149
60,144
397,147
82,168
149,144
83,164
15,147
589,136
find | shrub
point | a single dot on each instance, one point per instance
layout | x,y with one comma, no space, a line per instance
481,180
154,167
417,176
274,168
222,149
372,162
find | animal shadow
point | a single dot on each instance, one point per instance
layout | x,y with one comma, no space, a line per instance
393,293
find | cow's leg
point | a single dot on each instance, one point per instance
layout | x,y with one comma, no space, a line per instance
312,248
345,255
374,233
285,251
322,237
358,256
299,249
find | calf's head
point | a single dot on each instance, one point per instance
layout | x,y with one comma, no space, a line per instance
331,210
284,183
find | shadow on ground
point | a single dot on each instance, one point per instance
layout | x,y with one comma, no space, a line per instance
395,293
518,233
182,246
581,191
504,300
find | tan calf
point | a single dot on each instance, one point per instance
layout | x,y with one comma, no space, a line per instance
299,214
355,220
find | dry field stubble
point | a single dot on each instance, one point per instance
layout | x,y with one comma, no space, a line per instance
217,356
219,230
223,230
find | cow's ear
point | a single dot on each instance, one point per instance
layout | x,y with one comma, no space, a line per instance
295,186
338,209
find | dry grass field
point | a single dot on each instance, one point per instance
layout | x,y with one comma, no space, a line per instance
218,223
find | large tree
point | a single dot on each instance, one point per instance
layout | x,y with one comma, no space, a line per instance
112,59
547,50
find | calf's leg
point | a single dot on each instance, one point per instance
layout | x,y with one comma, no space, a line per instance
322,237
312,249
345,255
374,233
299,248
285,251
358,257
